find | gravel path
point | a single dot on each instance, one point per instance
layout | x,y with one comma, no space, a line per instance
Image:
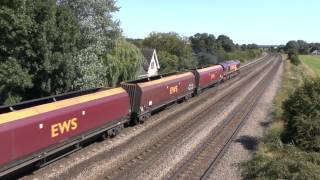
248,138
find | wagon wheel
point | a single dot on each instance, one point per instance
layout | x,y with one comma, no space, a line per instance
134,121
199,91
142,119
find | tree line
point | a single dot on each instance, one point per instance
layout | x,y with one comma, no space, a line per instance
49,47
178,53
294,48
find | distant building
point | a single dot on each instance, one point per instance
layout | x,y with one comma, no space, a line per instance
316,52
152,66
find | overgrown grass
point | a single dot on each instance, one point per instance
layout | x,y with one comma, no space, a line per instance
274,159
313,62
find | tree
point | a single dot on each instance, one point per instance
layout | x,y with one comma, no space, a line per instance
252,46
226,43
173,44
39,38
303,47
97,26
207,59
168,62
292,47
56,32
90,69
294,59
136,42
302,116
99,33
15,26
122,63
14,80
203,43
314,46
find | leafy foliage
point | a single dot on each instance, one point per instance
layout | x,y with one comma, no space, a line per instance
210,50
13,80
226,43
292,47
294,59
299,47
207,58
99,33
168,62
244,55
286,162
203,43
97,27
54,46
122,62
172,44
314,46
90,69
40,38
302,115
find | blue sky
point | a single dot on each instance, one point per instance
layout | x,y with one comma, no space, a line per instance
245,21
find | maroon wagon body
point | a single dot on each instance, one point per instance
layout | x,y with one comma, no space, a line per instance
53,125
149,94
210,75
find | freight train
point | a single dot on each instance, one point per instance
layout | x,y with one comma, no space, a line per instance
37,132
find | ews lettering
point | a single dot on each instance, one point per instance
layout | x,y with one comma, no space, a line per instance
212,76
233,68
63,127
173,89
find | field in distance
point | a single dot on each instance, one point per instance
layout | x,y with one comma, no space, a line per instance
312,62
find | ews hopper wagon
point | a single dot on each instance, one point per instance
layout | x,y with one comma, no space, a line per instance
32,134
150,94
208,76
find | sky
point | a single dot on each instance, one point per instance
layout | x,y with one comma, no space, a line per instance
264,22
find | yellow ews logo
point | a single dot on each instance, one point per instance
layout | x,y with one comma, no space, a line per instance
233,68
63,127
212,76
173,89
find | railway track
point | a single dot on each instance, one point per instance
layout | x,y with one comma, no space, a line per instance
137,161
204,160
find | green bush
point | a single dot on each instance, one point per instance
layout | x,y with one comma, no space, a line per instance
245,55
302,116
287,162
294,59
